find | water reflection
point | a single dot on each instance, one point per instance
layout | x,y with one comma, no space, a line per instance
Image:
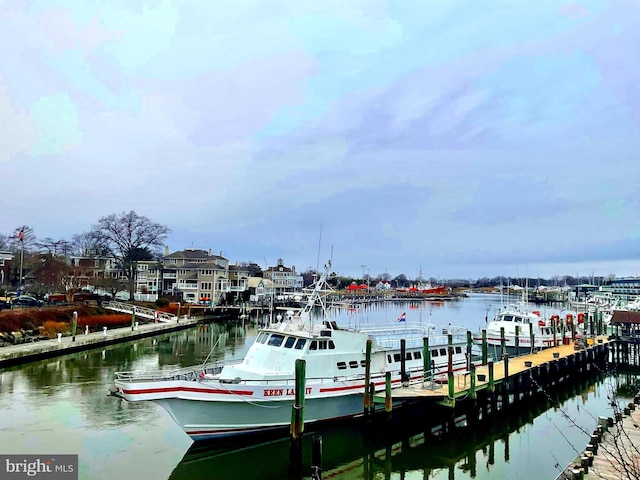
412,444
85,378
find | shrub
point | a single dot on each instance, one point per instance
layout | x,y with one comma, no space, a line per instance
162,302
52,328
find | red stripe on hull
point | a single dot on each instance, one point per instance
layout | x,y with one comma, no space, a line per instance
186,389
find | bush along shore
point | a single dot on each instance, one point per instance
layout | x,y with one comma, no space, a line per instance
31,325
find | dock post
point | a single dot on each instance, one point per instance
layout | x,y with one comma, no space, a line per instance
517,339
133,318
484,348
505,360
472,378
554,324
316,458
532,337
450,384
502,342
491,379
469,342
450,353
367,379
387,395
426,359
404,378
74,326
297,418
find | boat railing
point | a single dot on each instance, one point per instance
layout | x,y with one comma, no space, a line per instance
186,373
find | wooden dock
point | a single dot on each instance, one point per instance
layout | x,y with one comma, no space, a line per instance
613,452
487,377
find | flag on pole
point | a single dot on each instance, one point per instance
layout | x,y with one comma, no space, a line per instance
21,235
402,317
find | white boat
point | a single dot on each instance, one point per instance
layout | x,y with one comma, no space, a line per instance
257,394
527,322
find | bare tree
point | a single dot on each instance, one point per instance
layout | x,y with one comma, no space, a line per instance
71,285
129,237
4,241
53,248
23,237
82,243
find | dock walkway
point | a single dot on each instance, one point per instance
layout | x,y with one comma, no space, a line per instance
27,352
614,451
462,383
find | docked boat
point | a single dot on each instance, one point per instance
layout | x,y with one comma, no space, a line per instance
545,332
256,394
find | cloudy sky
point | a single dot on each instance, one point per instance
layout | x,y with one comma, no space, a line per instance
458,138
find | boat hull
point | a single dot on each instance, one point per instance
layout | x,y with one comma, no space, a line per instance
213,420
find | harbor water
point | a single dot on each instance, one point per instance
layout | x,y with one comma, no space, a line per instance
62,406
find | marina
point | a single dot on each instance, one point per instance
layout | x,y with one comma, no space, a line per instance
68,395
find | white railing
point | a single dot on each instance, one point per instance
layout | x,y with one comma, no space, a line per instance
143,312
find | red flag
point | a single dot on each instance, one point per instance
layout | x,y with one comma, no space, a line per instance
21,235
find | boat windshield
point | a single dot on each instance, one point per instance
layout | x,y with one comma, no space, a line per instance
507,318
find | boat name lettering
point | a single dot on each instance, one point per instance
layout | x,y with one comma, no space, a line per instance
278,392
274,392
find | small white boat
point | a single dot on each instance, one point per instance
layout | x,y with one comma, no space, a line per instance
256,394
527,322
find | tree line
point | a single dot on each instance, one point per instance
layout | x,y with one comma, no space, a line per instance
126,238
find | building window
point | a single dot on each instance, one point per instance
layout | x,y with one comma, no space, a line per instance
205,286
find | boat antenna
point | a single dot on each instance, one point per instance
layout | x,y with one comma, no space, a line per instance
319,242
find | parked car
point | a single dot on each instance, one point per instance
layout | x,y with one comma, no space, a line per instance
27,301
4,304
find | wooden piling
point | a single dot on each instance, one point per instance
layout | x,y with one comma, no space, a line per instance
502,342
485,355
491,379
469,345
532,337
367,379
426,359
387,394
404,378
297,417
316,457
74,326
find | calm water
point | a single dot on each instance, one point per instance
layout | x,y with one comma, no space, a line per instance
62,406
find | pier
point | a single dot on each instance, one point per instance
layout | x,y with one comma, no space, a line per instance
613,450
511,370
28,352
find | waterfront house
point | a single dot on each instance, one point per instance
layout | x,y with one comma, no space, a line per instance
285,279
196,275
6,260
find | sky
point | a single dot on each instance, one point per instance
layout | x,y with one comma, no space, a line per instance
448,139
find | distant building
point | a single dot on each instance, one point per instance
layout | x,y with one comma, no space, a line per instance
6,260
285,279
196,275
622,286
